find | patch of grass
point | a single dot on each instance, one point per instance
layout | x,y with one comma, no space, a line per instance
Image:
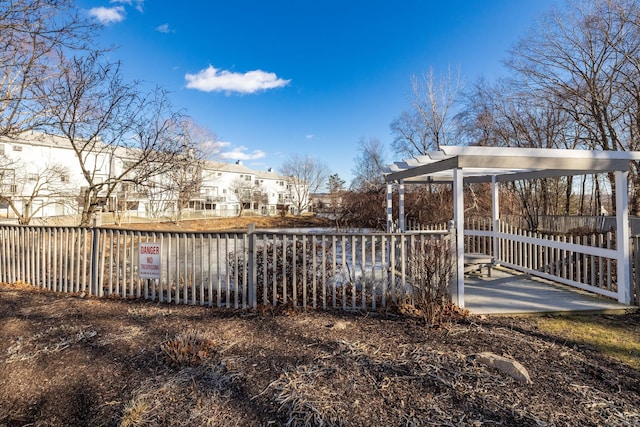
611,335
136,414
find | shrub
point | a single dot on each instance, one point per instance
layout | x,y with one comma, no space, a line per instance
190,348
283,275
430,270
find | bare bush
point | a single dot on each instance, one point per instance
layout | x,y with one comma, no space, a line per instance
431,269
284,263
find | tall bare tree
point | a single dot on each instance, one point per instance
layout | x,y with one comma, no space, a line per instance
31,31
505,114
197,146
99,114
430,121
305,175
367,166
411,137
335,186
584,58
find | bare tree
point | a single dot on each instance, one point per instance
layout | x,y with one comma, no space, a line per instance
367,169
336,189
411,137
247,193
159,201
363,204
184,179
505,114
430,121
31,191
31,31
584,58
100,115
305,175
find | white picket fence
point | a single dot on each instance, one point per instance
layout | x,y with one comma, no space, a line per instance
233,270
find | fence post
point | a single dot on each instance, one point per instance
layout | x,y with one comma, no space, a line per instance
451,240
251,267
95,237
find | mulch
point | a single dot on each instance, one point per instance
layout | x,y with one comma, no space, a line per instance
74,361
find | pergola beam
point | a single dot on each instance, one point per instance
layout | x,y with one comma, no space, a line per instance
507,168
424,169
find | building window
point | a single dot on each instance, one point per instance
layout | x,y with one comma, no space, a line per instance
17,148
1,149
64,178
32,177
247,178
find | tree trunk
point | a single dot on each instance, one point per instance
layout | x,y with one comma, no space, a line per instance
567,203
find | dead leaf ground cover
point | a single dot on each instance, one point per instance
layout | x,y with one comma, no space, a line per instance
229,223
72,361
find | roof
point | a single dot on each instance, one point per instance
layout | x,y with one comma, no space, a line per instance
36,138
239,168
481,164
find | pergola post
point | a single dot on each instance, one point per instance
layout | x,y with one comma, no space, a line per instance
458,221
389,207
401,206
495,217
622,238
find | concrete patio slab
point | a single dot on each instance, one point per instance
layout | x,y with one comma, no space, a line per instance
511,292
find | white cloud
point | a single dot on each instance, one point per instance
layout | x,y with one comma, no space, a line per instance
214,80
241,153
164,28
138,4
309,136
108,15
219,146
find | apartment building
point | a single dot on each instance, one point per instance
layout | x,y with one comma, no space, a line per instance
40,176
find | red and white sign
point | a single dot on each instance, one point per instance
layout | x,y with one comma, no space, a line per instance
149,260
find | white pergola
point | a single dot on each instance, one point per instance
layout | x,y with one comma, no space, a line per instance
459,165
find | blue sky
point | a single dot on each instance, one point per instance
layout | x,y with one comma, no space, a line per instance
272,78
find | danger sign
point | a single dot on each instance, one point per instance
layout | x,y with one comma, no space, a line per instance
149,260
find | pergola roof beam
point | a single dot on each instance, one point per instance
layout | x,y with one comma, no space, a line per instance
479,168
424,169
456,150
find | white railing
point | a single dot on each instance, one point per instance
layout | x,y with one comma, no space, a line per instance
413,225
232,270
586,262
